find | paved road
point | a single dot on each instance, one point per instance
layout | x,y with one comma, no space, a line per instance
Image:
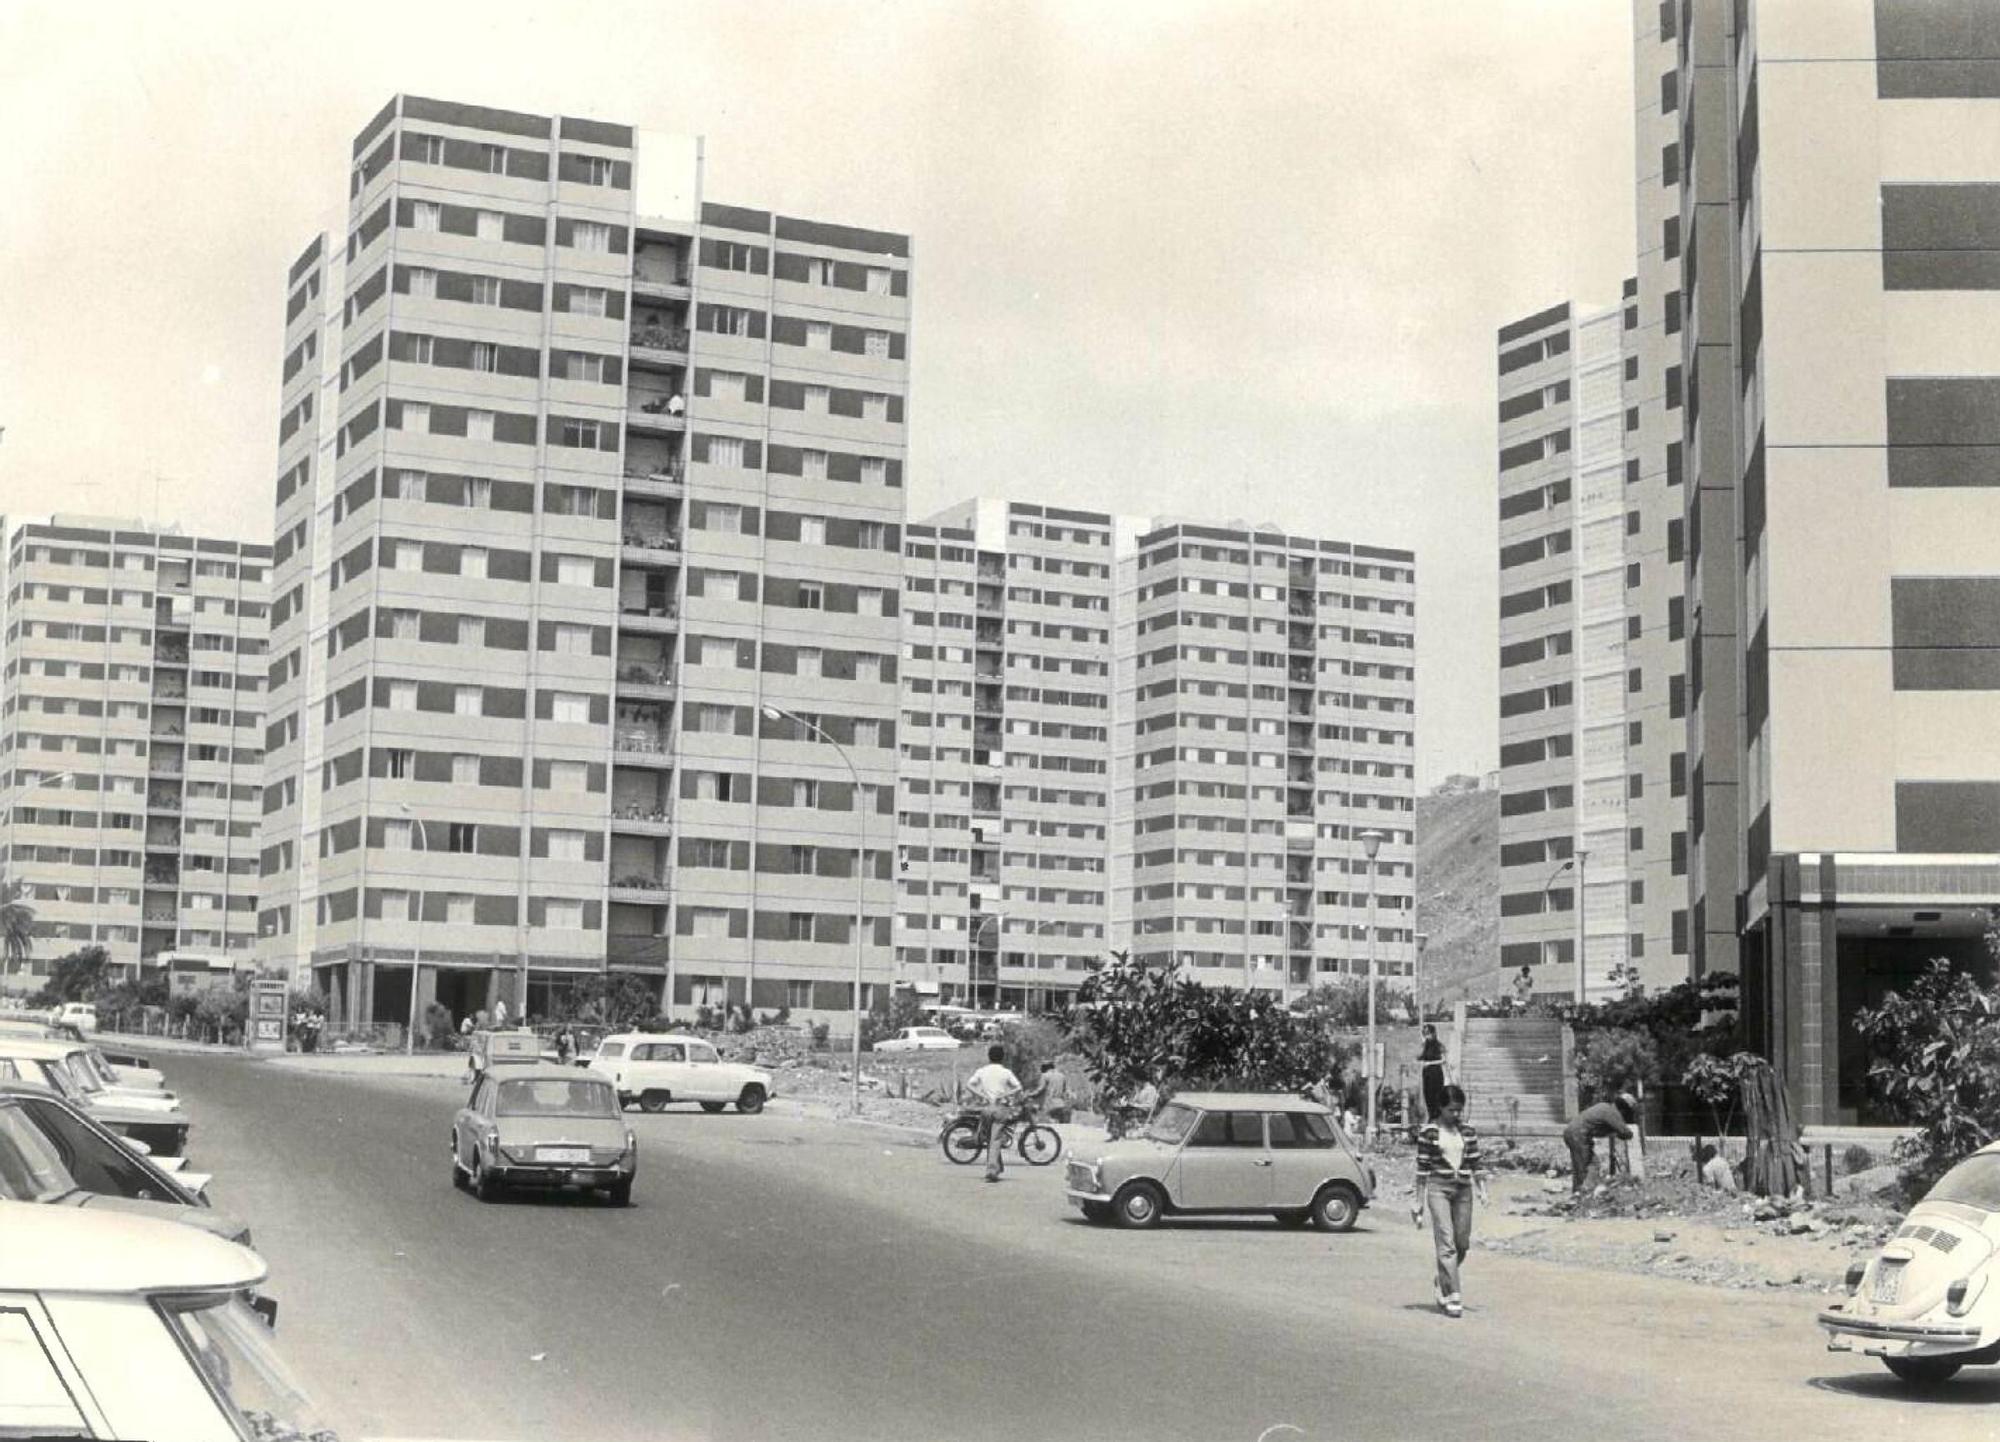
785,1278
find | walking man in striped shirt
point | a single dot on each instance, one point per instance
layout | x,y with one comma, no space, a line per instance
1448,1175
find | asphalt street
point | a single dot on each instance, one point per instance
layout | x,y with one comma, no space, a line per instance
779,1277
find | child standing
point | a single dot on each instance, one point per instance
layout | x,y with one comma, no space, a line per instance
1448,1176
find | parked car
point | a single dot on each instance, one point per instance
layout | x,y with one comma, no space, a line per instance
919,1038
125,1069
536,1125
152,1118
53,1154
657,1069
1927,1303
79,1014
1217,1152
130,1327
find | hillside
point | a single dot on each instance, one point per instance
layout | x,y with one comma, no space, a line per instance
1458,892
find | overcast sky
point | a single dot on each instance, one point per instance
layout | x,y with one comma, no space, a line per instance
1221,260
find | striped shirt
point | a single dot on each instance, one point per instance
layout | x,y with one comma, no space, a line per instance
1434,1163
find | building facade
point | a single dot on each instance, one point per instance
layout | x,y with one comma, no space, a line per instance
1273,717
586,633
132,738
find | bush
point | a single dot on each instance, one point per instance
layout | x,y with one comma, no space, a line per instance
1614,1059
1856,1159
820,1032
438,1032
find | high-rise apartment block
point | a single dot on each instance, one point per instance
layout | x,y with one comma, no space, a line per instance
1006,740
1273,719
589,561
131,737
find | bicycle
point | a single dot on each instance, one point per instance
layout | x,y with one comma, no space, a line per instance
964,1138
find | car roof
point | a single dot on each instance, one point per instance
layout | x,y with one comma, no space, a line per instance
656,1036
37,1049
546,1071
65,1249
1247,1102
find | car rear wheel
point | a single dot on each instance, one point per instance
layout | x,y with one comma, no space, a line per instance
485,1185
1138,1205
1923,1371
1337,1208
711,1107
653,1101
751,1101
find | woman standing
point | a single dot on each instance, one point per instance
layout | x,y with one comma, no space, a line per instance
1431,1059
1448,1175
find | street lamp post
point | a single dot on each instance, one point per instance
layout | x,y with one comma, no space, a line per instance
1371,842
1582,870
1566,865
779,713
417,946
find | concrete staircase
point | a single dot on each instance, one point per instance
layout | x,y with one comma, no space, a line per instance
1512,1072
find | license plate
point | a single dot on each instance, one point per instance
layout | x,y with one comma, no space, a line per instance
562,1154
1888,1282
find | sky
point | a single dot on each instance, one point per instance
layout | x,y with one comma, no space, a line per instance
1218,261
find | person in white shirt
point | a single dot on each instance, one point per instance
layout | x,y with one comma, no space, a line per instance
1000,1092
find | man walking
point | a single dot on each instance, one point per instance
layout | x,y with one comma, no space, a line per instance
1052,1095
999,1091
1606,1119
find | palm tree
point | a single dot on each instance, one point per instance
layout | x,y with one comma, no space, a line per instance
17,926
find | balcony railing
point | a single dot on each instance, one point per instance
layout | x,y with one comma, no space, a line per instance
634,812
644,742
654,540
660,337
647,675
671,474
653,613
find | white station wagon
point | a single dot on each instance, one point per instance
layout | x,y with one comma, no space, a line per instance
657,1069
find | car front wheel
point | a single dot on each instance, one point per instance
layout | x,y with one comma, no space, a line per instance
751,1101
1337,1208
1138,1205
1923,1371
485,1185
652,1101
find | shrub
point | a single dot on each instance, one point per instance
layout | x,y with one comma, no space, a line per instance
438,1032
820,1032
1856,1159
1614,1059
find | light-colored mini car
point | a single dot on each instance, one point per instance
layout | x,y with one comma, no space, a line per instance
537,1125
658,1069
919,1038
155,1118
1220,1152
131,1327
79,1014
1929,1302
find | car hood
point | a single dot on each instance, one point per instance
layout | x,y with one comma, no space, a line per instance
221,1224
139,1078
1128,1150
115,1110
157,1100
1937,1244
554,1131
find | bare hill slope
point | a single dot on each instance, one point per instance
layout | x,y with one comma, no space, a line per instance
1458,893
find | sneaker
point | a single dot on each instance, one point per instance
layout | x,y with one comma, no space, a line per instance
993,1176
1453,1307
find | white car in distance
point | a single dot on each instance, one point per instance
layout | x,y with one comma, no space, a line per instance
657,1069
919,1038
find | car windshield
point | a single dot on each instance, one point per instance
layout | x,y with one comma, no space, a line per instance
1974,1182
556,1099
31,1170
79,1074
231,1347
1172,1123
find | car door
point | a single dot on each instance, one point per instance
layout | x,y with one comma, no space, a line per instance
1224,1164
1302,1156
702,1078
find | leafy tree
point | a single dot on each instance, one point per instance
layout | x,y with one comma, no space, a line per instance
1717,1083
1937,1064
17,925
616,999
1614,1059
79,975
1134,1023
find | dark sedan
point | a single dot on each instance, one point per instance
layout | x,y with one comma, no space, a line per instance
542,1126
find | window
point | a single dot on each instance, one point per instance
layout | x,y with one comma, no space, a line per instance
872,535
724,520
571,707
579,435
399,764
569,776
563,916
590,235
472,630
874,407
491,224
427,215
708,921
868,600
485,290
398,835
567,846
464,770
819,271
411,486
729,386
416,417
479,425
588,300
1299,1129
876,343
472,561
572,640
406,556
724,451
461,837
1229,1129
874,471
402,695
812,465
593,170
580,367
423,283
468,701
805,793
819,336
458,909
812,596
485,356
878,280
478,493
809,660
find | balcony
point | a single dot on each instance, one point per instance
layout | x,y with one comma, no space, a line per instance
660,343
665,483
658,416
639,887
169,690
163,876
164,655
651,548
638,820
162,801
649,620
660,284
164,766
642,748
647,682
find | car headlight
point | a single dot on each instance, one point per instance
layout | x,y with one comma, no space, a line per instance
1960,1296
631,1141
1855,1272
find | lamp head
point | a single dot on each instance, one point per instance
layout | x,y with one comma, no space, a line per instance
773,713
1371,842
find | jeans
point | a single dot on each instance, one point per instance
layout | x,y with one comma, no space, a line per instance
996,1128
1450,1205
1582,1156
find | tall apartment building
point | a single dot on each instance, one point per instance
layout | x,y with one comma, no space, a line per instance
1844,409
589,528
131,737
1273,715
1564,674
1006,740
